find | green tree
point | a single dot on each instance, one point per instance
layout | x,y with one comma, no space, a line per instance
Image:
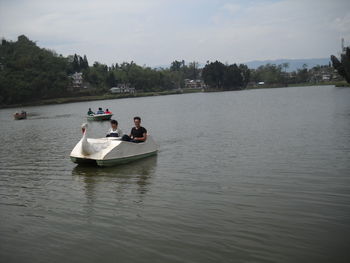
85,62
225,77
343,66
245,71
269,73
30,73
213,74
177,65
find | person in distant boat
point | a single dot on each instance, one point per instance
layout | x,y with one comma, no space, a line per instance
114,131
100,111
90,112
138,133
108,112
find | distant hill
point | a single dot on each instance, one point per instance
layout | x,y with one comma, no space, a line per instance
294,64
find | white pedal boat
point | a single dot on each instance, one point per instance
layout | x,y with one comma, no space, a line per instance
110,151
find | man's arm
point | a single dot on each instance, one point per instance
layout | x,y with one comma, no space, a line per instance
144,138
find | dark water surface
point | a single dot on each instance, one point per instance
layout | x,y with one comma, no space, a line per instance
248,176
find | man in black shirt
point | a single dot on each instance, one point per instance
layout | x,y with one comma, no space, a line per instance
138,133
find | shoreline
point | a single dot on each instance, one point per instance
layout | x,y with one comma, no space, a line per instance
307,84
95,97
153,93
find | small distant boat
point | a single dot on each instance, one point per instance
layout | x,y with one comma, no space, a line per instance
20,115
99,117
110,151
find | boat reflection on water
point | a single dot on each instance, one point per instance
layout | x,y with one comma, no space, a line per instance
116,182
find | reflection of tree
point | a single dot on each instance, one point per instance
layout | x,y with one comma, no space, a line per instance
119,176
143,183
90,194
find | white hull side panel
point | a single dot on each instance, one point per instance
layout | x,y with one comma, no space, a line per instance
114,149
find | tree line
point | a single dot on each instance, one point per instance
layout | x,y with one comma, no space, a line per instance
29,73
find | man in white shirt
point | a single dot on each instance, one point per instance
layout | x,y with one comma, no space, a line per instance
114,131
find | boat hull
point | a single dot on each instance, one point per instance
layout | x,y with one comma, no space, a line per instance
99,117
20,116
112,151
111,162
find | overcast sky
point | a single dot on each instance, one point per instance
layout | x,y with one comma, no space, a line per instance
156,32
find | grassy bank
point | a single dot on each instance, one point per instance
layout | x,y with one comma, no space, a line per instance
327,83
97,97
160,93
306,84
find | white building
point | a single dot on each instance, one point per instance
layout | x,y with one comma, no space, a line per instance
194,84
326,77
77,80
122,88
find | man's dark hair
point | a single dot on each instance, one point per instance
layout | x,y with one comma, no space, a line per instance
114,122
137,118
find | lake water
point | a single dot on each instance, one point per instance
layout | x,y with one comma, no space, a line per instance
243,176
